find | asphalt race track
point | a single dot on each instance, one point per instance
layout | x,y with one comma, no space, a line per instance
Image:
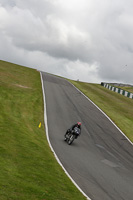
101,160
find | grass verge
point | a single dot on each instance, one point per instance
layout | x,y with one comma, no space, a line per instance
28,169
129,89
118,107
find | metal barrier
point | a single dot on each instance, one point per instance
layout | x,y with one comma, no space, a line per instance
117,90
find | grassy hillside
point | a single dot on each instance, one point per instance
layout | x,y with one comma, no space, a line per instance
119,108
129,89
28,169
126,88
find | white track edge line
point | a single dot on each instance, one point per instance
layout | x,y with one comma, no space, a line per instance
46,128
103,113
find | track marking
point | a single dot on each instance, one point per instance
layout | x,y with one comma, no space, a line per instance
103,113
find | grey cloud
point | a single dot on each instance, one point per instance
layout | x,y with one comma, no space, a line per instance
7,3
53,36
88,35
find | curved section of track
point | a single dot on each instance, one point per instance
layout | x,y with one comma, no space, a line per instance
100,161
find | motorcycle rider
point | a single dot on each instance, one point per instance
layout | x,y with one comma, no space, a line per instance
78,125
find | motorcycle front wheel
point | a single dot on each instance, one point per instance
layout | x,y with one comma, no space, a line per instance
71,139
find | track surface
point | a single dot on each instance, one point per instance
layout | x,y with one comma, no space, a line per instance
101,160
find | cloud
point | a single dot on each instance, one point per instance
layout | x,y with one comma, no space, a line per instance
78,70
66,37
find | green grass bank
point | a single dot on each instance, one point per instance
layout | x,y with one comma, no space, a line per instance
28,169
119,108
129,89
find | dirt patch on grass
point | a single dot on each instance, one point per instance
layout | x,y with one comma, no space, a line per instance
22,86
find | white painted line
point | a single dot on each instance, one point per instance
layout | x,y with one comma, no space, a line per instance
46,128
103,113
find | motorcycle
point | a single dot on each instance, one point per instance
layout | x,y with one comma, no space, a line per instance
71,135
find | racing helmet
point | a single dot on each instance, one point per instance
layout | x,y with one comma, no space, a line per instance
79,123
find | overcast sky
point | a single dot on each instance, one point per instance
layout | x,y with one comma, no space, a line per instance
89,40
